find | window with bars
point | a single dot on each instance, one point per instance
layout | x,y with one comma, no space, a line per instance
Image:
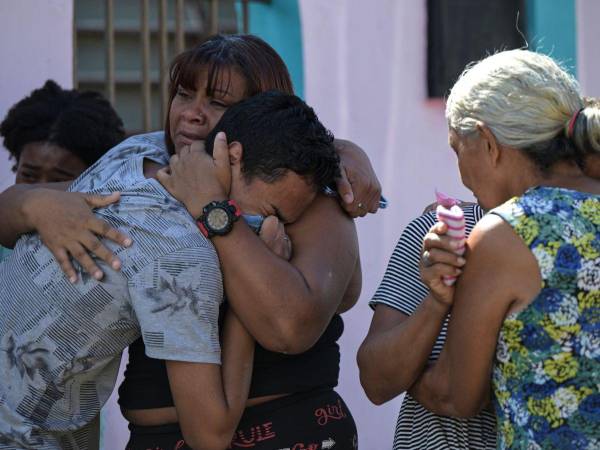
123,48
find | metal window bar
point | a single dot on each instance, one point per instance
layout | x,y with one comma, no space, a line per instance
179,27
214,16
146,100
163,61
245,15
75,60
110,50
179,32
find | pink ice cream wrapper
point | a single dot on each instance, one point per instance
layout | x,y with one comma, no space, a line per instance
453,216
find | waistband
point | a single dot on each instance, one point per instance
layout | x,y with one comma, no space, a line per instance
288,400
263,408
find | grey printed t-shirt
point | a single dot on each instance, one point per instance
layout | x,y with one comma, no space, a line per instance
60,344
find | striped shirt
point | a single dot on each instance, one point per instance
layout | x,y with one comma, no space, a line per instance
402,289
61,343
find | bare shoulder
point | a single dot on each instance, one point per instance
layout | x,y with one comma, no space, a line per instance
494,239
496,254
326,233
323,213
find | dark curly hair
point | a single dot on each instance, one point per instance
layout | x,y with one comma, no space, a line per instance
279,132
83,123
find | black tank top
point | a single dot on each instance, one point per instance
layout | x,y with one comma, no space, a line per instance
146,384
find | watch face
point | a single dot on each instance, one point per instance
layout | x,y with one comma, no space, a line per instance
217,219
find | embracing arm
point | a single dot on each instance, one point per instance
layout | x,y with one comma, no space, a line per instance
285,305
397,347
210,399
16,206
65,223
501,273
400,337
353,291
358,184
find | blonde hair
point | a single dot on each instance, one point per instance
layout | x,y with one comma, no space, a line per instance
527,100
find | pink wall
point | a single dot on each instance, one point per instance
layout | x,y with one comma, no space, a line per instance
588,48
365,74
35,44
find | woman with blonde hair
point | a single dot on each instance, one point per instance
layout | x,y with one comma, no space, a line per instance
526,309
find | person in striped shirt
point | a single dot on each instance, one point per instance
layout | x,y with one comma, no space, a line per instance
408,332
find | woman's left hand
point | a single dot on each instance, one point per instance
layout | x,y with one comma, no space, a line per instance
358,187
195,178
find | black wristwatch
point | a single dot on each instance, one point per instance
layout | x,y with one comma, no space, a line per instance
217,218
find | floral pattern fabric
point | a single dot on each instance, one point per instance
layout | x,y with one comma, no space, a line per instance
546,375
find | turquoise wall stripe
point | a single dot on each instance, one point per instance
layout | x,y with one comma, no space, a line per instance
278,23
552,30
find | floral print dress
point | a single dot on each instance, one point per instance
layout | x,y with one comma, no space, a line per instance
546,376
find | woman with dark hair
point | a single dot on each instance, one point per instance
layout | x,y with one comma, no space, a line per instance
258,65
294,320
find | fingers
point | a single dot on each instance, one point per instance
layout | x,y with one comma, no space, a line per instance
361,209
98,201
439,253
439,260
86,245
353,207
220,149
79,253
356,208
370,195
197,146
437,271
166,170
344,188
221,161
62,258
174,160
358,199
433,277
91,243
103,229
439,228
437,256
437,238
274,236
164,176
374,198
269,227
